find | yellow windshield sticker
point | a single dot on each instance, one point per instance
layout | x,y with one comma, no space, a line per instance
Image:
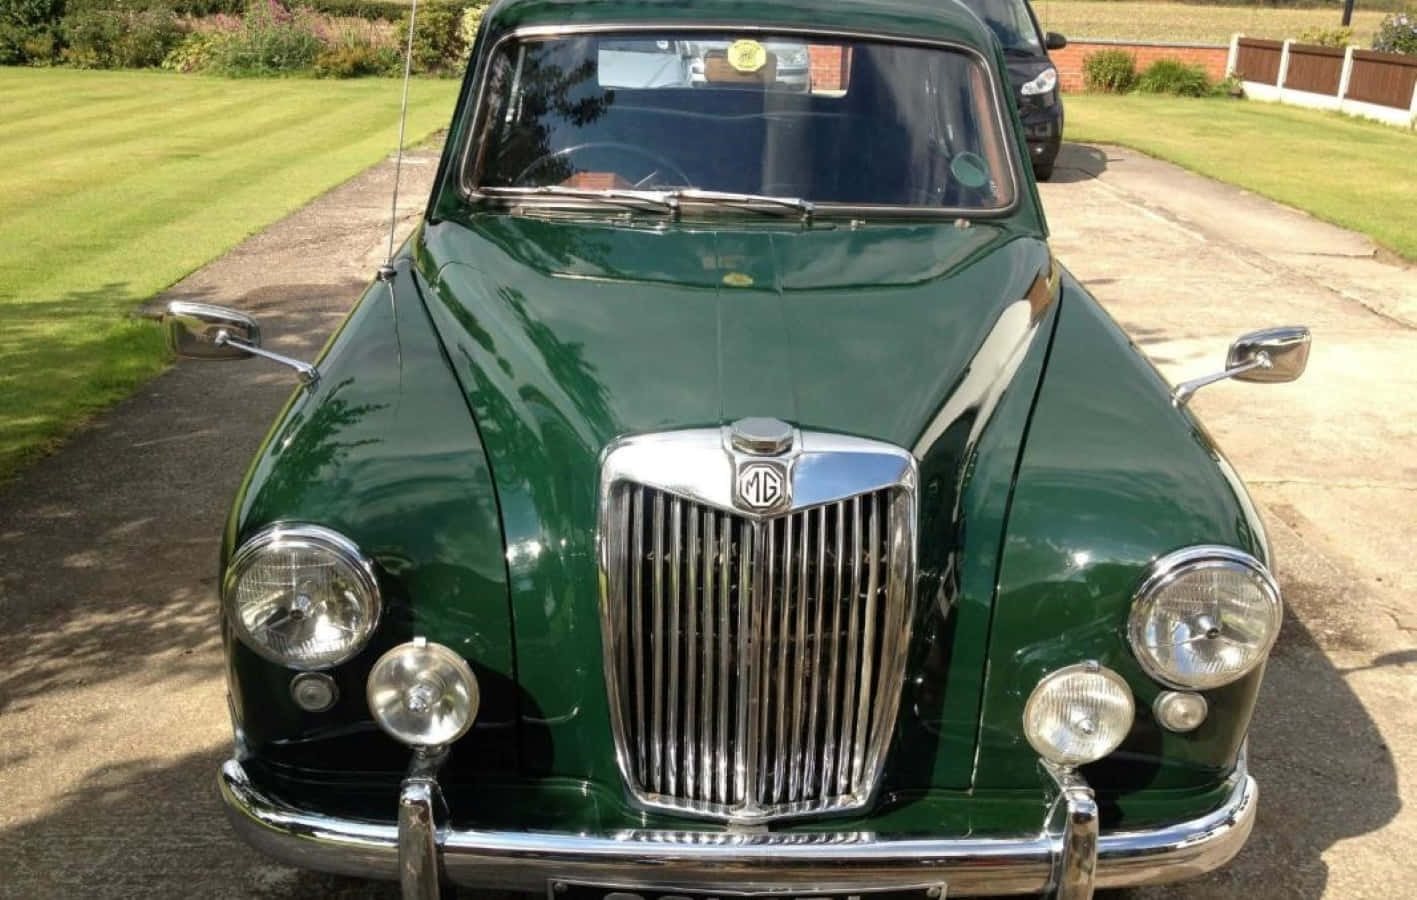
747,56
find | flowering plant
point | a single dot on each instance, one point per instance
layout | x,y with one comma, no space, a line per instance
1397,34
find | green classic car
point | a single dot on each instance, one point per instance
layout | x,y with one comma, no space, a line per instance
725,492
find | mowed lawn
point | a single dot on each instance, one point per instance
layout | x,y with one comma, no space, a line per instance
1205,23
1360,175
114,185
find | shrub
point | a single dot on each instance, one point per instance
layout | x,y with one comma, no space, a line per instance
372,10
269,41
356,62
1326,37
29,30
1397,34
43,47
118,37
194,53
1109,71
356,47
439,46
1171,76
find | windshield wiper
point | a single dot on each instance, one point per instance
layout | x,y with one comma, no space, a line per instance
751,202
659,201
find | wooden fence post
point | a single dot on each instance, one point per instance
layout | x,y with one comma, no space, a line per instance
1283,67
1234,57
1347,74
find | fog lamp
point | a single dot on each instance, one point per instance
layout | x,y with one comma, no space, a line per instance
1078,714
423,694
1180,711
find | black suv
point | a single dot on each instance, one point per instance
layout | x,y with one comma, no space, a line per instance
1031,72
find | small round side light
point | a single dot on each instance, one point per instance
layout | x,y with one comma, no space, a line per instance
313,691
1180,711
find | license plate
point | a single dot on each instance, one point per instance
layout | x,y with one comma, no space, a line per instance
570,890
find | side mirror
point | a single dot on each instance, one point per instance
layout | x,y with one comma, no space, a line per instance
203,331
193,328
1271,356
1054,41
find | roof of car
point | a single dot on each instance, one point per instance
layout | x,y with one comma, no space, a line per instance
946,20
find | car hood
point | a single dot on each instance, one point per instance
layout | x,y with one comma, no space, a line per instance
598,331
567,335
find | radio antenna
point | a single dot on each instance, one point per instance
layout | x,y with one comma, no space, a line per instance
386,271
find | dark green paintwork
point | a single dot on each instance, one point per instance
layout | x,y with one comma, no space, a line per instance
1113,477
383,451
456,431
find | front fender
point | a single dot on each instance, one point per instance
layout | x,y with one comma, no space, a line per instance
1112,477
383,450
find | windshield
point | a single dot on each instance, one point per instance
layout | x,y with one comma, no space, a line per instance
696,117
1011,23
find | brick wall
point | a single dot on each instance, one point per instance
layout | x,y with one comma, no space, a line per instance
1069,59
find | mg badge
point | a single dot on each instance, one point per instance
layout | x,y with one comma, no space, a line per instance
762,486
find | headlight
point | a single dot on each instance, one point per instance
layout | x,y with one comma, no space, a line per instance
1204,617
1042,84
423,694
301,596
1078,714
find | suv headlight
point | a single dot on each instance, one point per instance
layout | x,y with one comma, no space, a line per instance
1043,83
1204,617
301,596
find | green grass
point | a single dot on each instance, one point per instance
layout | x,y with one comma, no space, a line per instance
114,185
1352,173
1202,23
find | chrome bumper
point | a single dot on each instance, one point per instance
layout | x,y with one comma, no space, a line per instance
1067,859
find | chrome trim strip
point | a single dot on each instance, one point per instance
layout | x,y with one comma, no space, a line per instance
639,627
721,793
656,744
466,180
799,680
519,860
691,617
850,484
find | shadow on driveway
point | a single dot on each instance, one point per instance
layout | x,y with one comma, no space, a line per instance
1078,162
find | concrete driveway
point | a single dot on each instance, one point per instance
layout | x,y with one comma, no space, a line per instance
112,718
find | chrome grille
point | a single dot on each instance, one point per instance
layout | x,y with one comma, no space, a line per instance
755,663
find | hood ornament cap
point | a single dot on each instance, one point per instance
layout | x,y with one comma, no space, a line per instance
761,437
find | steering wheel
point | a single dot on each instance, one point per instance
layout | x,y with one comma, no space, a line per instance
659,163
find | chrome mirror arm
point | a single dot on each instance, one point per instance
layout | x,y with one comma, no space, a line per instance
308,374
1186,389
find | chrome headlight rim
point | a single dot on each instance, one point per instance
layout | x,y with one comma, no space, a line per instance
1169,569
311,535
